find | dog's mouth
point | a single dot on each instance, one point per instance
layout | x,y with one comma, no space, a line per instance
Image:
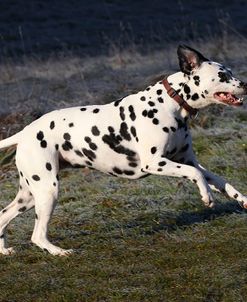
228,98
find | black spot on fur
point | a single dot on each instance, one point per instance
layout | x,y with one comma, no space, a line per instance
159,169
57,177
117,102
113,142
87,139
132,113
160,99
153,150
122,115
77,152
124,131
150,103
195,97
96,110
111,129
186,89
224,77
173,129
236,195
36,177
52,125
43,144
155,121
144,113
23,209
165,129
128,172
83,109
133,164
162,163
67,136
36,216
159,91
56,146
89,154
88,163
143,98
117,170
71,125
20,200
40,135
93,146
48,166
27,182
67,146
150,114
95,131
21,174
133,131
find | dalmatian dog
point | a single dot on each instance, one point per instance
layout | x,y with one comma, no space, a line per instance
142,134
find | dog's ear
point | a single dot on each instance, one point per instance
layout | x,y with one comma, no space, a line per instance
189,58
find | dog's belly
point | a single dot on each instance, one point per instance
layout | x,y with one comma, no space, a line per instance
106,160
104,153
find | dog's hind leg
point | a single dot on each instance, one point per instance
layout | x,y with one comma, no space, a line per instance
45,201
23,202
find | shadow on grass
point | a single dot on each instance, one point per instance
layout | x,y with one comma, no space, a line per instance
171,221
189,218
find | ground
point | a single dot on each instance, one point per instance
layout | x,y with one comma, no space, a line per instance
144,240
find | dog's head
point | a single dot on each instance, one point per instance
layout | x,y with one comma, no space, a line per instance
207,81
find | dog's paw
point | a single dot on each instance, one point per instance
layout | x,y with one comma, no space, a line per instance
243,202
7,251
65,252
208,200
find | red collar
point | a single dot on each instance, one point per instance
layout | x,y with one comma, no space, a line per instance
174,95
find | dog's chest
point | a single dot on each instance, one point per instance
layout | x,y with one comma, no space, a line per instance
178,140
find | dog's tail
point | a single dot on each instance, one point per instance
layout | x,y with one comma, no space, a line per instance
10,141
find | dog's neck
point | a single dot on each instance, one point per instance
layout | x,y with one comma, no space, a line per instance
180,82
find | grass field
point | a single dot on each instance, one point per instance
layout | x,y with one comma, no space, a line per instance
146,240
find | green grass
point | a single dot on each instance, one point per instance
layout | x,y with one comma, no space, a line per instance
146,240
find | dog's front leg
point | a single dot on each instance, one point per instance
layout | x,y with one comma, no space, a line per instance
219,184
216,182
163,166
